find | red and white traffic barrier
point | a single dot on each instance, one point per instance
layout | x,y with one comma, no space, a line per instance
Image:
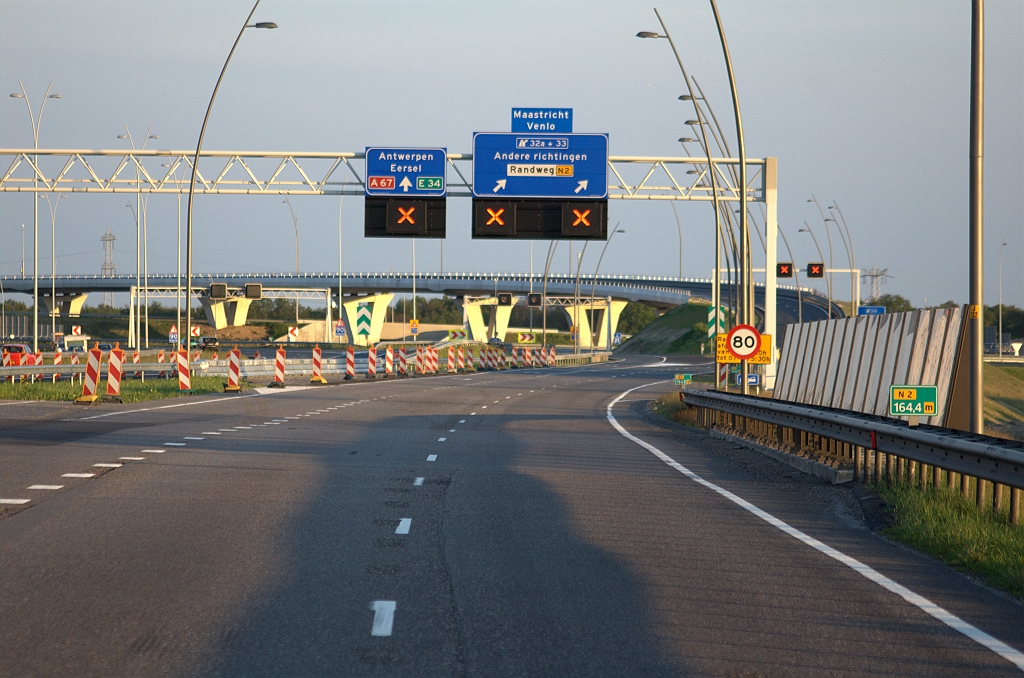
517,357
184,375
279,362
58,359
403,368
419,360
7,363
160,360
74,361
115,369
318,369
234,371
551,356
470,361
433,359
462,359
196,355
504,359
371,362
527,356
452,364
350,363
39,363
214,356
136,359
92,377
389,361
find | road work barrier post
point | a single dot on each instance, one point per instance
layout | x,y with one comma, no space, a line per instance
433,360
452,364
504,359
7,363
58,359
462,359
184,374
136,359
215,356
92,377
279,364
160,360
419,361
318,370
371,362
39,363
74,361
115,370
350,363
527,356
470,360
517,357
234,369
403,367
389,361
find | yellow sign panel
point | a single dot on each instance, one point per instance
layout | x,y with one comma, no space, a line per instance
722,352
904,394
724,355
563,170
764,354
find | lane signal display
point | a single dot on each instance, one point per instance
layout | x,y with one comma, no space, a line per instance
815,270
552,219
404,217
534,300
784,270
504,299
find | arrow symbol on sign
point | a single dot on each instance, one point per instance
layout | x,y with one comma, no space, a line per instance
500,185
406,184
582,186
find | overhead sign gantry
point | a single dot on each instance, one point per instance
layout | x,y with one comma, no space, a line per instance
405,192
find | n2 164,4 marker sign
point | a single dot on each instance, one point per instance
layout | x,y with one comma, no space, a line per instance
744,341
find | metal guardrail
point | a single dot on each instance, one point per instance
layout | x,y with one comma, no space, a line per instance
877,448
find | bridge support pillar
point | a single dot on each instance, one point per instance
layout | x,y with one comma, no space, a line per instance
378,312
498,324
69,305
215,315
603,315
237,311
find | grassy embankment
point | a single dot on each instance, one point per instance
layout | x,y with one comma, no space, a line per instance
680,331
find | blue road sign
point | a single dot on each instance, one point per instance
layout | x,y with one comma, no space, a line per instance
752,379
542,120
870,310
540,165
406,172
339,329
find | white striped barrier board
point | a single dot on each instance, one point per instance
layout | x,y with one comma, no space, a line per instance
371,363
234,371
92,375
115,368
389,361
318,366
402,364
136,359
279,362
184,376
350,363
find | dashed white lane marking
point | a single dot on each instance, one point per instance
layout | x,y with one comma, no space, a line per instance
272,423
108,465
78,475
44,487
211,433
485,406
451,430
243,428
291,417
472,414
191,438
227,430
1008,653
431,457
151,451
403,526
496,402
462,421
14,501
506,398
519,394
174,444
531,391
441,440
383,617
131,458
418,481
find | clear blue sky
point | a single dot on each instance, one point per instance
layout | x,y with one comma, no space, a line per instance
863,102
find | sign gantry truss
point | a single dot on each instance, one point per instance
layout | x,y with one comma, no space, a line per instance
288,173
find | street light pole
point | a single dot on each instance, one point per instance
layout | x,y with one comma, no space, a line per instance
999,339
853,254
141,241
37,122
195,170
593,286
53,258
799,296
828,283
977,217
295,221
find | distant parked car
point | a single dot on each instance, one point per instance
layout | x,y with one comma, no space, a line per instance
17,348
496,342
209,342
105,347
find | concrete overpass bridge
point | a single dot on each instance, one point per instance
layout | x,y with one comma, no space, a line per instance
378,289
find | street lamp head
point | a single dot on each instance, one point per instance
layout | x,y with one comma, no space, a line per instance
55,96
691,171
687,140
811,200
263,24
17,96
620,230
686,97
122,136
153,136
693,122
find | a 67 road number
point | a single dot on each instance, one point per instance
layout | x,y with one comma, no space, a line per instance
744,341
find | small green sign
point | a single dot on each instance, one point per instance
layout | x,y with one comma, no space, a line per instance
682,379
912,401
429,183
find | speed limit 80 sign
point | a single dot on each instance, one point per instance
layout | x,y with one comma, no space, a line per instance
744,341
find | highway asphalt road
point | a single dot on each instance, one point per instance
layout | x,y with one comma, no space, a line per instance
483,525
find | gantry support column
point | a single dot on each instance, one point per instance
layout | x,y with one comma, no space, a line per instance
378,312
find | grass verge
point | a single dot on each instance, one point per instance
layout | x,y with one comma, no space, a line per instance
132,391
944,524
671,408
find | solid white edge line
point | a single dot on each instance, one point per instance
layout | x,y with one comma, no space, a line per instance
1008,653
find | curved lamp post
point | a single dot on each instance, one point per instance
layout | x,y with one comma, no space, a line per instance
37,122
295,220
53,258
828,283
141,240
593,284
849,237
799,296
195,170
